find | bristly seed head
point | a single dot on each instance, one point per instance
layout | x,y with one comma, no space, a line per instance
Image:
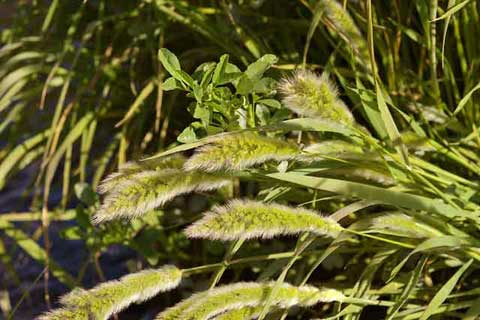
404,225
206,305
147,190
113,296
314,96
251,219
342,22
238,151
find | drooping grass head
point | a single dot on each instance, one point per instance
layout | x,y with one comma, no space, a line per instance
314,96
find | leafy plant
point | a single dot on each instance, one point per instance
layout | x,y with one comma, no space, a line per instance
284,171
336,143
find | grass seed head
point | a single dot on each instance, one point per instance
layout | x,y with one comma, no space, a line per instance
252,219
238,151
314,96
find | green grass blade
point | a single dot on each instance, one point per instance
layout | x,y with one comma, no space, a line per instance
409,286
452,10
35,251
443,293
372,193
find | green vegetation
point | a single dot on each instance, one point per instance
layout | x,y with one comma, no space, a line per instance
333,147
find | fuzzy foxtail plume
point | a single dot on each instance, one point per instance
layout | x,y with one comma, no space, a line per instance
331,149
251,219
112,297
147,190
129,169
216,301
239,151
245,313
403,225
342,22
314,96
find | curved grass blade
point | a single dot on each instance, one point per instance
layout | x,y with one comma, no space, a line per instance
409,286
444,291
372,193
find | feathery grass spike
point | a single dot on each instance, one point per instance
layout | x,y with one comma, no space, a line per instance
343,23
128,169
250,294
405,225
242,313
331,148
147,190
239,151
114,296
314,96
175,312
251,219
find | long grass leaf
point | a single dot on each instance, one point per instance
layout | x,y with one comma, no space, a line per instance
369,192
35,251
16,155
408,288
444,291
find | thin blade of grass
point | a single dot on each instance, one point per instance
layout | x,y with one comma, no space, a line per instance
35,251
409,286
443,293
372,193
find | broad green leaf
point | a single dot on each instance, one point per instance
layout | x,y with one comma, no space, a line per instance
256,70
219,71
188,135
270,103
169,61
171,84
172,65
